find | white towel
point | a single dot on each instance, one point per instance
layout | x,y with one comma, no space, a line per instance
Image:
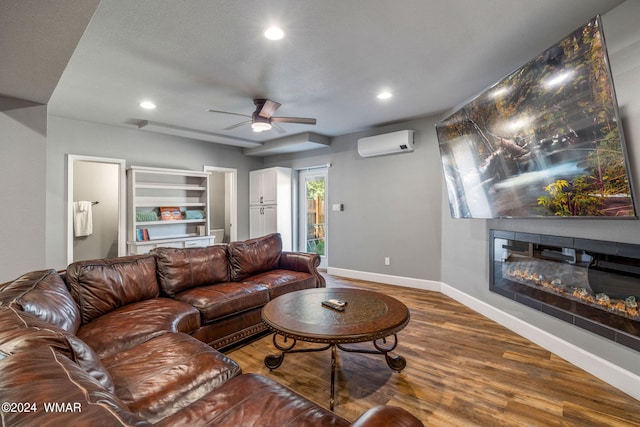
82,219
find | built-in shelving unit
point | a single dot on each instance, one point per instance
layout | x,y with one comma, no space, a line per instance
167,207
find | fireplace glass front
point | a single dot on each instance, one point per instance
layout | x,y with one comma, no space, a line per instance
592,284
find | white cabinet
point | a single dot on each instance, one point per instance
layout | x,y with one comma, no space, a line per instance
270,204
263,220
264,185
167,207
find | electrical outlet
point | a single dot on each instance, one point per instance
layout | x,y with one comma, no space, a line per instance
387,260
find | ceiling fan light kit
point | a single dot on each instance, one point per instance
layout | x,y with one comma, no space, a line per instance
262,118
260,126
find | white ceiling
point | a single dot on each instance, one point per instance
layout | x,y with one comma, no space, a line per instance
191,55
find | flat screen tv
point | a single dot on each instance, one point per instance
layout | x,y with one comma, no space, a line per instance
545,141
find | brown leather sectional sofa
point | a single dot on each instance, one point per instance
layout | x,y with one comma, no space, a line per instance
131,341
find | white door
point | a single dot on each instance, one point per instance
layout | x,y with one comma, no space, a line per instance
269,187
270,217
263,220
263,187
256,221
313,185
255,188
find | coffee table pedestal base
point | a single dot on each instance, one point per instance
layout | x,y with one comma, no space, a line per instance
395,362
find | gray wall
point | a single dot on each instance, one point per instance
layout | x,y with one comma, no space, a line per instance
465,242
22,189
391,203
66,136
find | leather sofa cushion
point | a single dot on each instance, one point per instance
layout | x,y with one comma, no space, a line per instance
281,282
166,373
101,286
182,269
254,256
44,375
224,299
21,333
44,294
253,400
138,322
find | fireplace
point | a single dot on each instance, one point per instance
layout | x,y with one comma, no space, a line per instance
592,284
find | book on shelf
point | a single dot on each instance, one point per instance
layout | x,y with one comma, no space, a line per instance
142,234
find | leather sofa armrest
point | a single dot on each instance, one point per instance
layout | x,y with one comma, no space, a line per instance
382,416
303,262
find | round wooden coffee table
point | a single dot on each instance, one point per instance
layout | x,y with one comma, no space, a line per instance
367,316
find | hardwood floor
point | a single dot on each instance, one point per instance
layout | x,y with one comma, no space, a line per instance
462,370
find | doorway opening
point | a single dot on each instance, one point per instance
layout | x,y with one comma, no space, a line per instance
100,183
313,231
223,203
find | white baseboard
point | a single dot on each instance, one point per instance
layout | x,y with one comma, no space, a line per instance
618,377
427,285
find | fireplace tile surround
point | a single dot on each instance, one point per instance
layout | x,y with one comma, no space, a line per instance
592,284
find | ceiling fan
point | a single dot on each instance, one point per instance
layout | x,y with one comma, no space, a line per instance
262,119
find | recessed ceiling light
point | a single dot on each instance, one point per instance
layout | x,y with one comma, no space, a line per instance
385,94
274,33
147,105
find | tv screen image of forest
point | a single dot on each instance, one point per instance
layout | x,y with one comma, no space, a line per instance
545,141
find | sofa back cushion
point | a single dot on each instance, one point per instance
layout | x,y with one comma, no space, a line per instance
22,333
254,256
44,375
101,286
44,294
182,269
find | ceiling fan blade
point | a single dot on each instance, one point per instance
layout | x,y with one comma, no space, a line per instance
278,128
237,125
227,112
301,120
268,107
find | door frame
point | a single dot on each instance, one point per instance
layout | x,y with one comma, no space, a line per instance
302,221
122,200
233,227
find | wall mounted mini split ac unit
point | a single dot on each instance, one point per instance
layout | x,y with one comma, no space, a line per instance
388,143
